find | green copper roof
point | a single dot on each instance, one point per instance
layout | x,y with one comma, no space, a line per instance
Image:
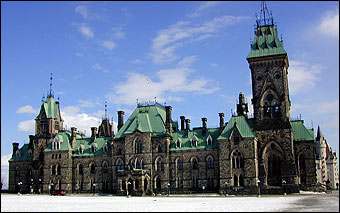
242,126
51,108
145,119
301,133
266,43
24,154
197,133
64,137
85,144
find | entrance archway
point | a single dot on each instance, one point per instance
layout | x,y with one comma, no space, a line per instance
273,156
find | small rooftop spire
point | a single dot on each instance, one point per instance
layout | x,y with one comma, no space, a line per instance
265,17
105,116
50,93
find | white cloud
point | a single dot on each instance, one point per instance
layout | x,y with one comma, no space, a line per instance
214,65
26,126
137,61
302,76
100,68
109,45
85,30
27,109
82,10
85,103
203,7
168,83
328,107
329,25
175,36
4,170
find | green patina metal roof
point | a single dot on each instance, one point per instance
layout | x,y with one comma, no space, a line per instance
266,43
197,133
301,133
242,126
149,118
50,107
64,137
24,154
85,144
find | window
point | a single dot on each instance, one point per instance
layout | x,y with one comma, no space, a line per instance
93,148
138,164
194,163
105,167
209,141
29,153
142,163
41,171
179,164
58,170
210,162
120,164
119,151
52,156
81,150
194,142
178,143
80,169
138,146
159,164
237,160
236,137
18,154
160,148
59,156
93,168
53,169
105,148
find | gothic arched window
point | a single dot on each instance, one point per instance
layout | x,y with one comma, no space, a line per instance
194,163
210,162
178,143
237,160
179,164
92,168
80,169
138,146
159,164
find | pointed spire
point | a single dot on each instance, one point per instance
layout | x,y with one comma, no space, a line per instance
319,134
50,93
105,116
265,17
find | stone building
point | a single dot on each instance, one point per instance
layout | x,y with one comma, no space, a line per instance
152,153
326,162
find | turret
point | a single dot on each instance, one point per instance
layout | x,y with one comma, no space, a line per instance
15,148
204,126
93,133
242,106
168,120
73,137
221,114
120,119
187,122
182,122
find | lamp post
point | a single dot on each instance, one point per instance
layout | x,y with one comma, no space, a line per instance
168,189
39,190
31,186
94,188
203,189
127,189
284,186
19,185
226,188
258,185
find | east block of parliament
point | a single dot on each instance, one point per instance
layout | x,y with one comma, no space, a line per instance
151,153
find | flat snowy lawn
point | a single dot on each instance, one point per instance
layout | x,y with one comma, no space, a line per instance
36,203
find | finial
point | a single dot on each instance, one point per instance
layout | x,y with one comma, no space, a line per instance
106,117
312,124
49,94
43,98
58,98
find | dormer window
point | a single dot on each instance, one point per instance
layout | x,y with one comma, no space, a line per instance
194,142
236,137
93,148
81,150
18,154
209,141
105,148
29,152
178,143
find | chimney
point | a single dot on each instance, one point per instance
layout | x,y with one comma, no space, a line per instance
221,114
94,133
187,123
168,120
242,107
15,148
73,137
204,126
31,138
120,119
182,122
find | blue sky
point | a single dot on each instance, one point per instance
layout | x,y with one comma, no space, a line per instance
191,55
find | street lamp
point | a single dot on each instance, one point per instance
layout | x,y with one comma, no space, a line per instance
226,188
19,184
168,189
94,188
39,190
283,185
203,189
31,187
258,182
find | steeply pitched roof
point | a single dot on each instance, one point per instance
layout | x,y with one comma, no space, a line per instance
242,126
145,119
64,137
301,133
24,154
50,107
85,144
196,132
266,43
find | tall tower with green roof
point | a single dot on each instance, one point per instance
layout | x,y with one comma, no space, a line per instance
268,62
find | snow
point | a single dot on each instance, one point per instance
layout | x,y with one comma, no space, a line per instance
89,203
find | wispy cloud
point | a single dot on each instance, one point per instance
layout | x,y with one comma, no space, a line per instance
110,45
137,61
100,68
26,126
28,109
203,7
175,36
302,76
118,32
85,30
329,25
169,84
82,10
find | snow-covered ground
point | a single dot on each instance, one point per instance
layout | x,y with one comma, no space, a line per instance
36,203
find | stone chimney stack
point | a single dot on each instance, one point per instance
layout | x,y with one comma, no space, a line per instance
15,148
204,126
182,122
93,133
168,121
120,119
73,137
242,107
31,138
187,123
221,114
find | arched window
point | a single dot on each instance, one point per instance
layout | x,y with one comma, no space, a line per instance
194,163
236,137
142,163
179,164
18,154
194,142
58,170
160,148
41,171
120,164
81,150
29,153
105,167
119,151
80,169
138,146
237,159
159,164
92,168
137,164
210,162
93,148
105,148
209,141
53,169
